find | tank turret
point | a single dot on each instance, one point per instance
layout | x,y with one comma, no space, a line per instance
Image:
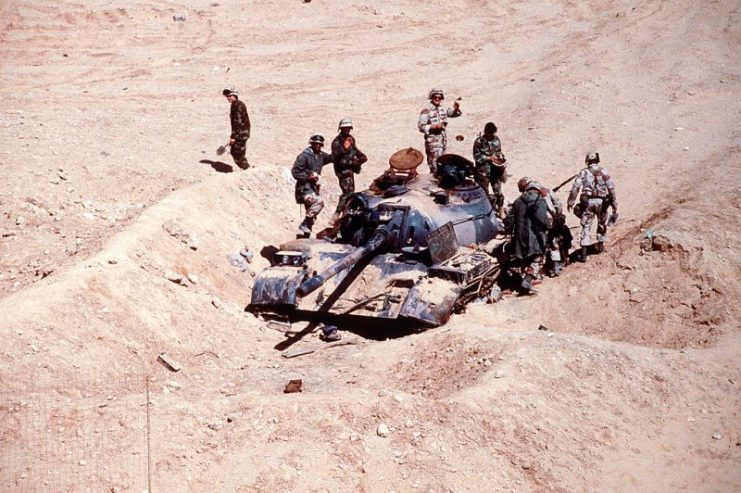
408,249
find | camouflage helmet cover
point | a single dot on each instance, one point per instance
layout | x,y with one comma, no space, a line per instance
591,157
433,91
316,139
523,183
345,123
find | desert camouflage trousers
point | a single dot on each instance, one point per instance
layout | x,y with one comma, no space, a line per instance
593,210
313,203
496,197
434,148
347,185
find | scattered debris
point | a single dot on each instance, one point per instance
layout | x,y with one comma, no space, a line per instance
247,254
301,352
543,327
178,17
168,362
294,386
177,231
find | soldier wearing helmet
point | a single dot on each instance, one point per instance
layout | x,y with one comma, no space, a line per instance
240,122
433,119
491,166
347,159
558,239
306,170
597,196
528,222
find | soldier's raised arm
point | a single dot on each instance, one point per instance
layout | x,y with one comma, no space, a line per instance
455,111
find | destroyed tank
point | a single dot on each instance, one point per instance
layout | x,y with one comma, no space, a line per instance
413,248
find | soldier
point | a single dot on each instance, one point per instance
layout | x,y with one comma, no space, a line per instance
432,122
491,165
559,235
306,171
240,121
528,222
347,159
597,196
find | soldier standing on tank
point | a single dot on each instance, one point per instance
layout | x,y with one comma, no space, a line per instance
306,170
491,166
432,122
528,222
347,159
597,196
240,122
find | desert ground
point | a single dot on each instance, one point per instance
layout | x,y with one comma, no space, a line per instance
118,221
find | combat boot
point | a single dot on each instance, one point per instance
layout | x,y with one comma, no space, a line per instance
600,247
304,229
556,269
582,257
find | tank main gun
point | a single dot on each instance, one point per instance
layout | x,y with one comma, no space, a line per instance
384,235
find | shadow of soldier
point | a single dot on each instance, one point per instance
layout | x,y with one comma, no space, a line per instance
218,166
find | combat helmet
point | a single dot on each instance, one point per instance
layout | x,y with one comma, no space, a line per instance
433,91
345,123
591,157
316,139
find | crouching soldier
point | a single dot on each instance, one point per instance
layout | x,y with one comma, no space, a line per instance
597,196
306,171
559,236
528,222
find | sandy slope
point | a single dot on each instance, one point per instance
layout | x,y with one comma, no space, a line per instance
111,108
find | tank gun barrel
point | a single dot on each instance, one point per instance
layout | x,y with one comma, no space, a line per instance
380,238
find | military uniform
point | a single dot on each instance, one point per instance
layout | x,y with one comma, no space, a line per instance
240,121
436,140
528,222
488,173
559,238
347,162
307,190
597,196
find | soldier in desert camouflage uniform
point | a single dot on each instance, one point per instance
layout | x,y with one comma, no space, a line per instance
240,122
347,159
432,122
491,165
306,171
597,196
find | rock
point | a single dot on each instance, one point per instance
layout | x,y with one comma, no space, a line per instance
237,261
247,254
294,386
169,362
193,278
383,430
717,435
498,374
20,221
216,302
175,277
